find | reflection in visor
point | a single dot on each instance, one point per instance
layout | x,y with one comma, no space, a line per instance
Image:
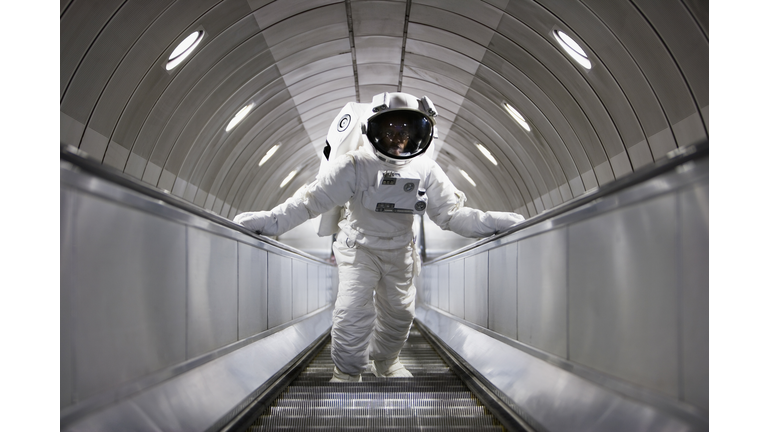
400,134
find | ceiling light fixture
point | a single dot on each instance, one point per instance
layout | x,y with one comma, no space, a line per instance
239,116
269,154
289,178
517,116
573,49
466,176
486,153
184,49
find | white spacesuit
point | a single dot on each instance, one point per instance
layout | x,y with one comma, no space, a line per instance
379,185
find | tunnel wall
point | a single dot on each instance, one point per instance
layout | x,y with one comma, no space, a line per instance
150,291
615,292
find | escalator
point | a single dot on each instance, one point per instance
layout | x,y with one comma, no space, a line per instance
434,399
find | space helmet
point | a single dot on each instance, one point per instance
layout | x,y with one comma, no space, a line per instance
401,126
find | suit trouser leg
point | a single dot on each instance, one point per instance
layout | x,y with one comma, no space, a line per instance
395,305
354,312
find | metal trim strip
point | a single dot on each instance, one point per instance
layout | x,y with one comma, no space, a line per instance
198,393
86,174
556,393
604,198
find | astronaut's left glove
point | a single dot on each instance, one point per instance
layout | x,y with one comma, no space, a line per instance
254,221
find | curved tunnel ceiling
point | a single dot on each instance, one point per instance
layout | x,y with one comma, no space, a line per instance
298,63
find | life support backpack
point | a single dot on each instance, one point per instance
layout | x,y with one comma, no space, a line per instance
344,135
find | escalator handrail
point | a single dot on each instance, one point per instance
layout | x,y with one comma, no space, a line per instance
92,166
672,160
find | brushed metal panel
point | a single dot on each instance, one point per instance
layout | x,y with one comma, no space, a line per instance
299,287
428,289
542,295
378,49
457,23
476,289
622,281
281,11
279,290
128,315
502,290
448,39
68,202
252,290
457,288
196,400
479,11
444,286
378,18
555,398
314,284
694,300
212,292
313,54
444,54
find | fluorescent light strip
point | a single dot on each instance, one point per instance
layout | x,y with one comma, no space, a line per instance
289,178
239,116
466,176
517,116
184,49
486,153
269,154
573,49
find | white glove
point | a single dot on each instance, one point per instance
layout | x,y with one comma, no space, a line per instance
254,221
505,221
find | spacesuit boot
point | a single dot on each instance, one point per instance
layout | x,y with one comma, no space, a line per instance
390,369
339,376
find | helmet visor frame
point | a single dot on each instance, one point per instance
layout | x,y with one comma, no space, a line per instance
400,134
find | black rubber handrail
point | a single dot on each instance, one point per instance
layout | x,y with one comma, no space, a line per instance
672,160
90,165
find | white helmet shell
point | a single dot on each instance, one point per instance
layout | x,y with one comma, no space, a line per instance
400,127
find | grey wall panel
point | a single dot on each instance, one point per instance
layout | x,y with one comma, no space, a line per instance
444,286
476,289
67,202
299,286
622,280
542,295
128,308
694,298
313,286
212,292
553,397
456,286
252,290
279,290
427,291
502,290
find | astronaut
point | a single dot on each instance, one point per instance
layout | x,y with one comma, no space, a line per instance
375,180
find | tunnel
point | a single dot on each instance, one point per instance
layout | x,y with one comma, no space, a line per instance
590,118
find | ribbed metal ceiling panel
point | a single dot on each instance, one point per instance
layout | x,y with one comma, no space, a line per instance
299,62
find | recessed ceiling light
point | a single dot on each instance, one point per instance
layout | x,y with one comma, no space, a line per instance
239,116
573,49
517,116
466,176
486,153
184,49
289,178
269,154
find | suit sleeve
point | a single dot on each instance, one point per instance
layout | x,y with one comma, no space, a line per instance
333,187
446,208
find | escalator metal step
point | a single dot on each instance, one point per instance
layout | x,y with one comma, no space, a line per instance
434,399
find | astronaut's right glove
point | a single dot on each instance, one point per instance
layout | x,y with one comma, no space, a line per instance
254,221
505,221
